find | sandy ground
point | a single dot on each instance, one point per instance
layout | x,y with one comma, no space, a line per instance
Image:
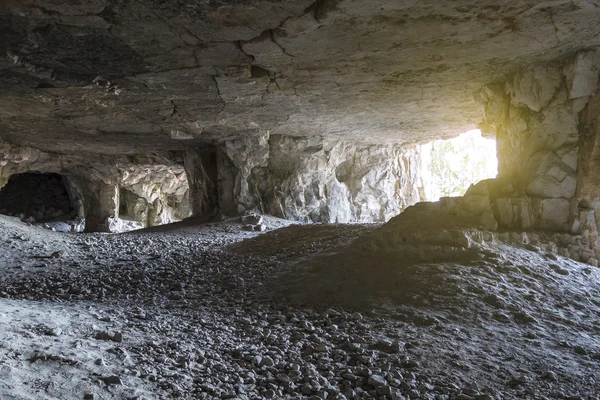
209,311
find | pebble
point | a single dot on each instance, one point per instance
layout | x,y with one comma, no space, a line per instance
112,380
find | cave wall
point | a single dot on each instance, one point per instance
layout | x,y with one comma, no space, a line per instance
587,208
202,169
545,120
536,119
314,179
94,182
163,187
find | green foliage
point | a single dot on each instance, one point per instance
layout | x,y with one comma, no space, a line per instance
459,162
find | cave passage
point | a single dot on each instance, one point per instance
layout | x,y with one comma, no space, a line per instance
162,198
37,197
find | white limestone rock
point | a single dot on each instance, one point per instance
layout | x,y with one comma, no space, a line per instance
551,214
582,74
535,88
550,177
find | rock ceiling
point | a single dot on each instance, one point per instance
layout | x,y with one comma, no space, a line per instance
127,76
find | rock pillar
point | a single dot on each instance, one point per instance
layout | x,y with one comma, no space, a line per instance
201,171
101,202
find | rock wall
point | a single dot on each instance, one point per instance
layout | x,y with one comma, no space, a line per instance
318,180
536,119
94,184
588,187
546,123
201,169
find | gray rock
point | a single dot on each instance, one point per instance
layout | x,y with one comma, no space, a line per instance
112,380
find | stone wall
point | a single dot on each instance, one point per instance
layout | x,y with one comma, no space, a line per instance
317,180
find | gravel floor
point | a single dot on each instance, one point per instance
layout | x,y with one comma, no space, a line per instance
209,311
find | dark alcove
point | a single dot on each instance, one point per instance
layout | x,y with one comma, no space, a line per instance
37,197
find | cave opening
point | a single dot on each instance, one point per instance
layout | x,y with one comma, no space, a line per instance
157,199
38,197
452,165
131,206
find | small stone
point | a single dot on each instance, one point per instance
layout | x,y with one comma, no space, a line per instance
57,254
376,381
55,331
550,376
259,228
104,335
397,395
252,219
306,388
321,347
267,361
112,380
88,396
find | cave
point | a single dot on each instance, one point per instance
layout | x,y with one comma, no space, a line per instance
37,197
328,199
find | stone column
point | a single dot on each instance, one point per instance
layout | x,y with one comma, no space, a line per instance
587,210
201,170
101,201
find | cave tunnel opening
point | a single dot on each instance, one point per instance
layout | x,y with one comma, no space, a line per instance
131,206
37,197
164,199
450,166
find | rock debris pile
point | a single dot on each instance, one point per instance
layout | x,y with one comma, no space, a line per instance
176,314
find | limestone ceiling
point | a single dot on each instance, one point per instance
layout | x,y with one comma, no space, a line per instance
127,76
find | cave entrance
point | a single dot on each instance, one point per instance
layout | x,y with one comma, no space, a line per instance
38,197
451,166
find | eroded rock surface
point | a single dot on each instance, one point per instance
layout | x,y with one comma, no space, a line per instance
135,76
319,180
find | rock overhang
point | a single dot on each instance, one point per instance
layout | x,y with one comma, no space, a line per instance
126,77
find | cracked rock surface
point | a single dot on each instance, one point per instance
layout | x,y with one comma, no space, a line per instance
128,316
133,76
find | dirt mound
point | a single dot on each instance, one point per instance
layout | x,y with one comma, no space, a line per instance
301,240
484,301
484,320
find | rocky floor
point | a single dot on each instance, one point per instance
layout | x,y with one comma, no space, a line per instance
209,311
